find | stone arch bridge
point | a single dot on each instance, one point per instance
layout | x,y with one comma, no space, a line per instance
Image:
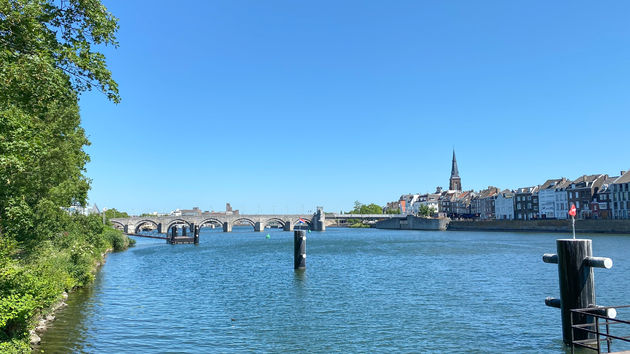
134,224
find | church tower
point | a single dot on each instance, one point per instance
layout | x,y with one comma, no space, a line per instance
455,183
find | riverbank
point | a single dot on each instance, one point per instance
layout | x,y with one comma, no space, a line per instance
38,274
413,223
543,225
47,316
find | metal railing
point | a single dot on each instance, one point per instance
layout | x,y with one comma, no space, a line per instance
598,317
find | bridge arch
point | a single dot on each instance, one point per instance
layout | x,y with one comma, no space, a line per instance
176,222
210,221
245,220
118,225
140,223
276,220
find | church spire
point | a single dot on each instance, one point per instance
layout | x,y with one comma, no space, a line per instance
454,171
454,183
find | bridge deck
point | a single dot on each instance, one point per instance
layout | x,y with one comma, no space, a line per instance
148,236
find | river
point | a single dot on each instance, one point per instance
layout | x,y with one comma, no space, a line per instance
364,290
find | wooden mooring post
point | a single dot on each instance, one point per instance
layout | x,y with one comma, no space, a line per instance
299,249
577,284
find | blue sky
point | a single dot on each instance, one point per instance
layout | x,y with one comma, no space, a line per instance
280,106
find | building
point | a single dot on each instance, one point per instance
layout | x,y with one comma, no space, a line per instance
431,200
447,203
462,207
406,203
391,206
86,210
483,203
581,191
195,211
547,198
601,205
504,205
561,201
526,203
455,182
620,194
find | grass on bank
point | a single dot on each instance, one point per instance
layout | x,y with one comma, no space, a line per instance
33,277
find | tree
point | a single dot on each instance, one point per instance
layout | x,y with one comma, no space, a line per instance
360,208
424,210
113,213
47,61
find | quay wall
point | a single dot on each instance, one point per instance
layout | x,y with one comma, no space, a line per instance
564,226
412,223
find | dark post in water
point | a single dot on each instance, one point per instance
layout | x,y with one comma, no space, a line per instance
299,249
577,285
196,235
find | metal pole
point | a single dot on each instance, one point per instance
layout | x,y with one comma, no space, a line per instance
608,339
599,349
573,222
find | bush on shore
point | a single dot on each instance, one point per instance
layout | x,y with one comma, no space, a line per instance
32,280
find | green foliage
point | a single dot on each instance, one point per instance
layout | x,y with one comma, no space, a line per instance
360,208
63,33
424,210
118,240
392,211
34,279
15,346
47,59
113,213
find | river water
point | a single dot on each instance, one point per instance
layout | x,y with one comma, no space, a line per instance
364,290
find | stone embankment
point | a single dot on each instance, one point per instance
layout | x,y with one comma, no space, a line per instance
413,223
564,226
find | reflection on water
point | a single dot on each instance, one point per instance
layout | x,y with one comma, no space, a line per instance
363,290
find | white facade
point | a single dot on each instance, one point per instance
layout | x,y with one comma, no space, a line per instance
410,201
88,210
504,206
561,204
547,203
620,193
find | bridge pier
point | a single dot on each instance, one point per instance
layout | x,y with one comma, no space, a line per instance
227,227
288,226
184,230
159,229
259,226
319,220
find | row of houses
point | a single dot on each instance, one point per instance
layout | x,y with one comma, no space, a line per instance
598,196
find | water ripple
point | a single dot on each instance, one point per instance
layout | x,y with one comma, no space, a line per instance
363,291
